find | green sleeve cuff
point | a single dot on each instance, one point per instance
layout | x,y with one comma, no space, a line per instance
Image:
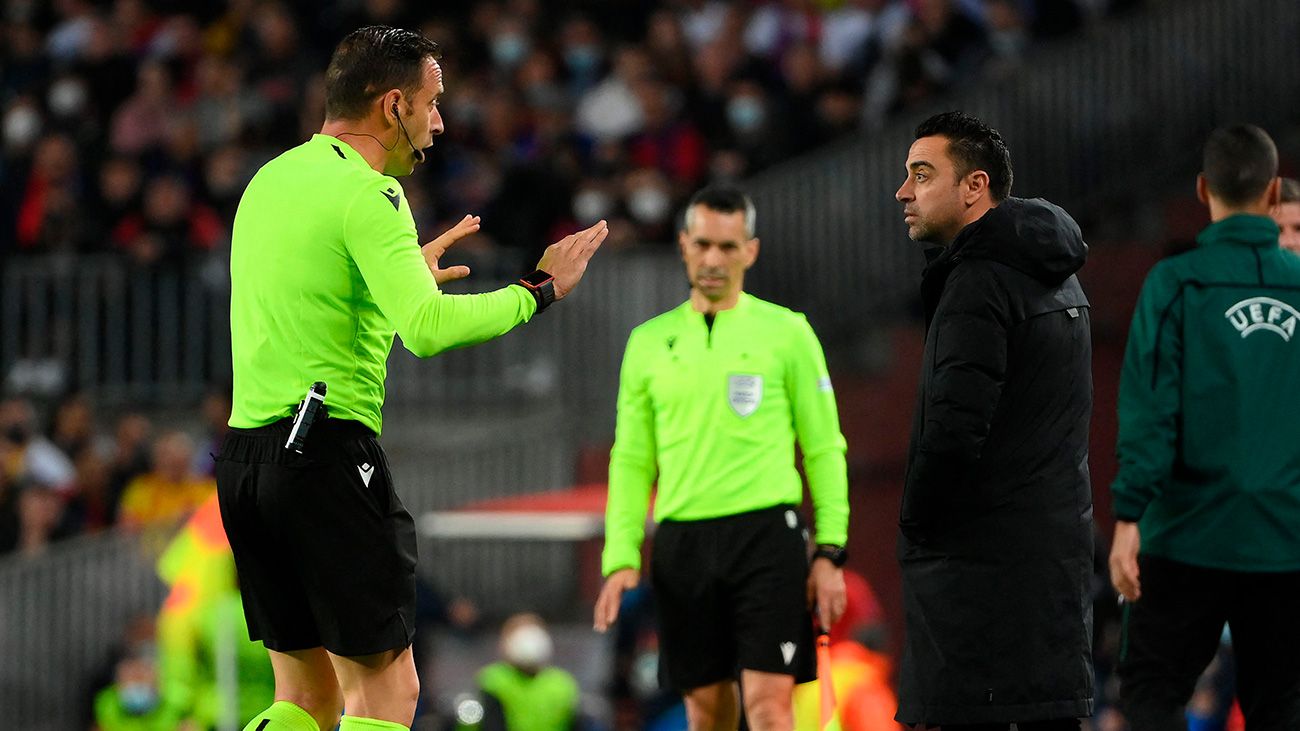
1127,507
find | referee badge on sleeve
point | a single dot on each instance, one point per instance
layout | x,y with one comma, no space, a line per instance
744,393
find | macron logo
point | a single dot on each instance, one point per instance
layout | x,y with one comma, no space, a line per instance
367,471
1263,313
787,652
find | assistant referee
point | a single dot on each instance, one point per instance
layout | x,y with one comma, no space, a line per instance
712,397
325,266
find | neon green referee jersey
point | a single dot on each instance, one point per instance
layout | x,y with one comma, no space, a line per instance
712,414
325,266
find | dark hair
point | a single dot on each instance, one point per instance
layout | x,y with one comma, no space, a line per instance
723,199
973,145
369,62
1240,162
1290,190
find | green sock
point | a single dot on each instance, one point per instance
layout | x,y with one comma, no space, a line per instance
356,723
283,716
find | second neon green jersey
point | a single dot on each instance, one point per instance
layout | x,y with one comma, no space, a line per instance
325,266
712,414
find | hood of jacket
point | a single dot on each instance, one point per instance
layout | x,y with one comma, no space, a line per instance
1030,235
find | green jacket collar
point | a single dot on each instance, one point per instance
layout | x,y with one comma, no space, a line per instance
1241,229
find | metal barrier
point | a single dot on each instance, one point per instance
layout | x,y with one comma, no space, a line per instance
128,333
61,616
1108,117
567,358
158,336
448,461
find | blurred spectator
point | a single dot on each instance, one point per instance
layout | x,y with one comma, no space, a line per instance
667,141
583,53
73,426
141,122
31,457
648,196
216,417
134,702
224,178
611,110
116,197
777,25
48,217
1008,36
172,226
30,518
91,507
538,101
168,492
1287,215
523,691
130,456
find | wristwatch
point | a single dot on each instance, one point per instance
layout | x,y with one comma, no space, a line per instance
541,285
837,555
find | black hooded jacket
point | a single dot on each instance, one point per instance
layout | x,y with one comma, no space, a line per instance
995,528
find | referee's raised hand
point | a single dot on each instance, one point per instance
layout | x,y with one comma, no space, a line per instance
435,249
566,259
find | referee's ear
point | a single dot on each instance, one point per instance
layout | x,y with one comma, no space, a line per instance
752,247
389,106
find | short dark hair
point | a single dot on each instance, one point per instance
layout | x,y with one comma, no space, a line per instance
1290,190
723,199
1240,162
973,145
369,62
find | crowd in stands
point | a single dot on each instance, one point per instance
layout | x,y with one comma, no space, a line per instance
131,126
73,477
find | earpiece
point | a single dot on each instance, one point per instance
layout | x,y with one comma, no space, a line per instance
418,153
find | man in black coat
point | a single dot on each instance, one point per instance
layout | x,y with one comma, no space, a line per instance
995,530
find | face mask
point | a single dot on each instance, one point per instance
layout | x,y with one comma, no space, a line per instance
138,698
528,647
508,49
67,97
591,205
649,205
746,114
582,60
22,125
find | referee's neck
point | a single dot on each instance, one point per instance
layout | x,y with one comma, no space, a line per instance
359,135
706,306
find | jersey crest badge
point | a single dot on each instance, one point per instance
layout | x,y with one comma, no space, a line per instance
744,393
1263,313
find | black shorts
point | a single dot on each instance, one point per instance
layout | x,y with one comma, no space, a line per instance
730,594
324,548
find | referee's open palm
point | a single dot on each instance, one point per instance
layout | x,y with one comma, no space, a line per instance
566,259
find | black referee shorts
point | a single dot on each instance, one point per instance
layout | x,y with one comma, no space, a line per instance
730,594
324,548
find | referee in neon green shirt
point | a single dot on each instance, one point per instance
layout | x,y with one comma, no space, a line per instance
325,267
712,397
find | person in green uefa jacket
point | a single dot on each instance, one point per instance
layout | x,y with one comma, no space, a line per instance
1207,501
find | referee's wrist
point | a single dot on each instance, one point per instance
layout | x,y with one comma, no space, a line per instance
832,552
541,285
